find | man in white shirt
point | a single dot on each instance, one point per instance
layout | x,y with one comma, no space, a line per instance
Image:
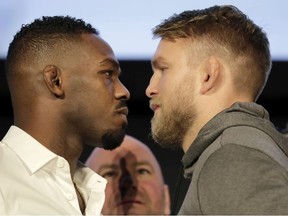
66,93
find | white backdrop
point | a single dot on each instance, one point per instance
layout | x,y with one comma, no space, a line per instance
126,24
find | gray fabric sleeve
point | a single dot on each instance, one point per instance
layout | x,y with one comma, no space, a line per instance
240,180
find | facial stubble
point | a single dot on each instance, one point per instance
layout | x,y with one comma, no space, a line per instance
171,124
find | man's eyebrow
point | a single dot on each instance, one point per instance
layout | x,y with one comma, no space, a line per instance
107,166
110,61
155,62
144,163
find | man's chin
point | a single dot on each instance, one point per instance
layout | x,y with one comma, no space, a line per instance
133,209
112,138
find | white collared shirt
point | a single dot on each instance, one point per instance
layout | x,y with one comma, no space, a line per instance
34,180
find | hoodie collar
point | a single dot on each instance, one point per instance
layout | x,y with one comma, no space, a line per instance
239,114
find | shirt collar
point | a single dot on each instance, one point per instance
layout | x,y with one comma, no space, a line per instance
85,176
32,153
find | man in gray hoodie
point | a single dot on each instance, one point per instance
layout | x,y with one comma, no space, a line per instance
209,68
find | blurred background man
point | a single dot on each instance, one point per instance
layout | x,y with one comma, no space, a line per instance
135,182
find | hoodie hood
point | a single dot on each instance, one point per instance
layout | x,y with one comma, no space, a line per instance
239,114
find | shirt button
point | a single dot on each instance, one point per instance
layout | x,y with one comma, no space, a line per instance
69,196
60,163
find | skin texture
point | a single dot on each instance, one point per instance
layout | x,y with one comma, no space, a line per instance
65,88
173,112
181,91
206,61
135,183
73,101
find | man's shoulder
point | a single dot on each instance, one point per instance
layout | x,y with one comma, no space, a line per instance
239,170
239,147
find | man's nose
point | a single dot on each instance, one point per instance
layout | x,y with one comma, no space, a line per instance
126,180
126,183
152,88
122,91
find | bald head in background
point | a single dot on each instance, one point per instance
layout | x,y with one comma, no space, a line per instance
135,181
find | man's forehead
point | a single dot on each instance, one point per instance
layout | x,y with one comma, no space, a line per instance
127,156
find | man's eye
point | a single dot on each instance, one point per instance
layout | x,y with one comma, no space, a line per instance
163,69
109,174
143,171
109,73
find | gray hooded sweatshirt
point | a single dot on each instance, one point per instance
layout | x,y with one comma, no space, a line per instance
239,165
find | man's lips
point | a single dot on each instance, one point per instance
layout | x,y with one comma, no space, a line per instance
154,107
123,110
129,202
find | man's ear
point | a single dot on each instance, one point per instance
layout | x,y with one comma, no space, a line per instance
211,75
53,80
